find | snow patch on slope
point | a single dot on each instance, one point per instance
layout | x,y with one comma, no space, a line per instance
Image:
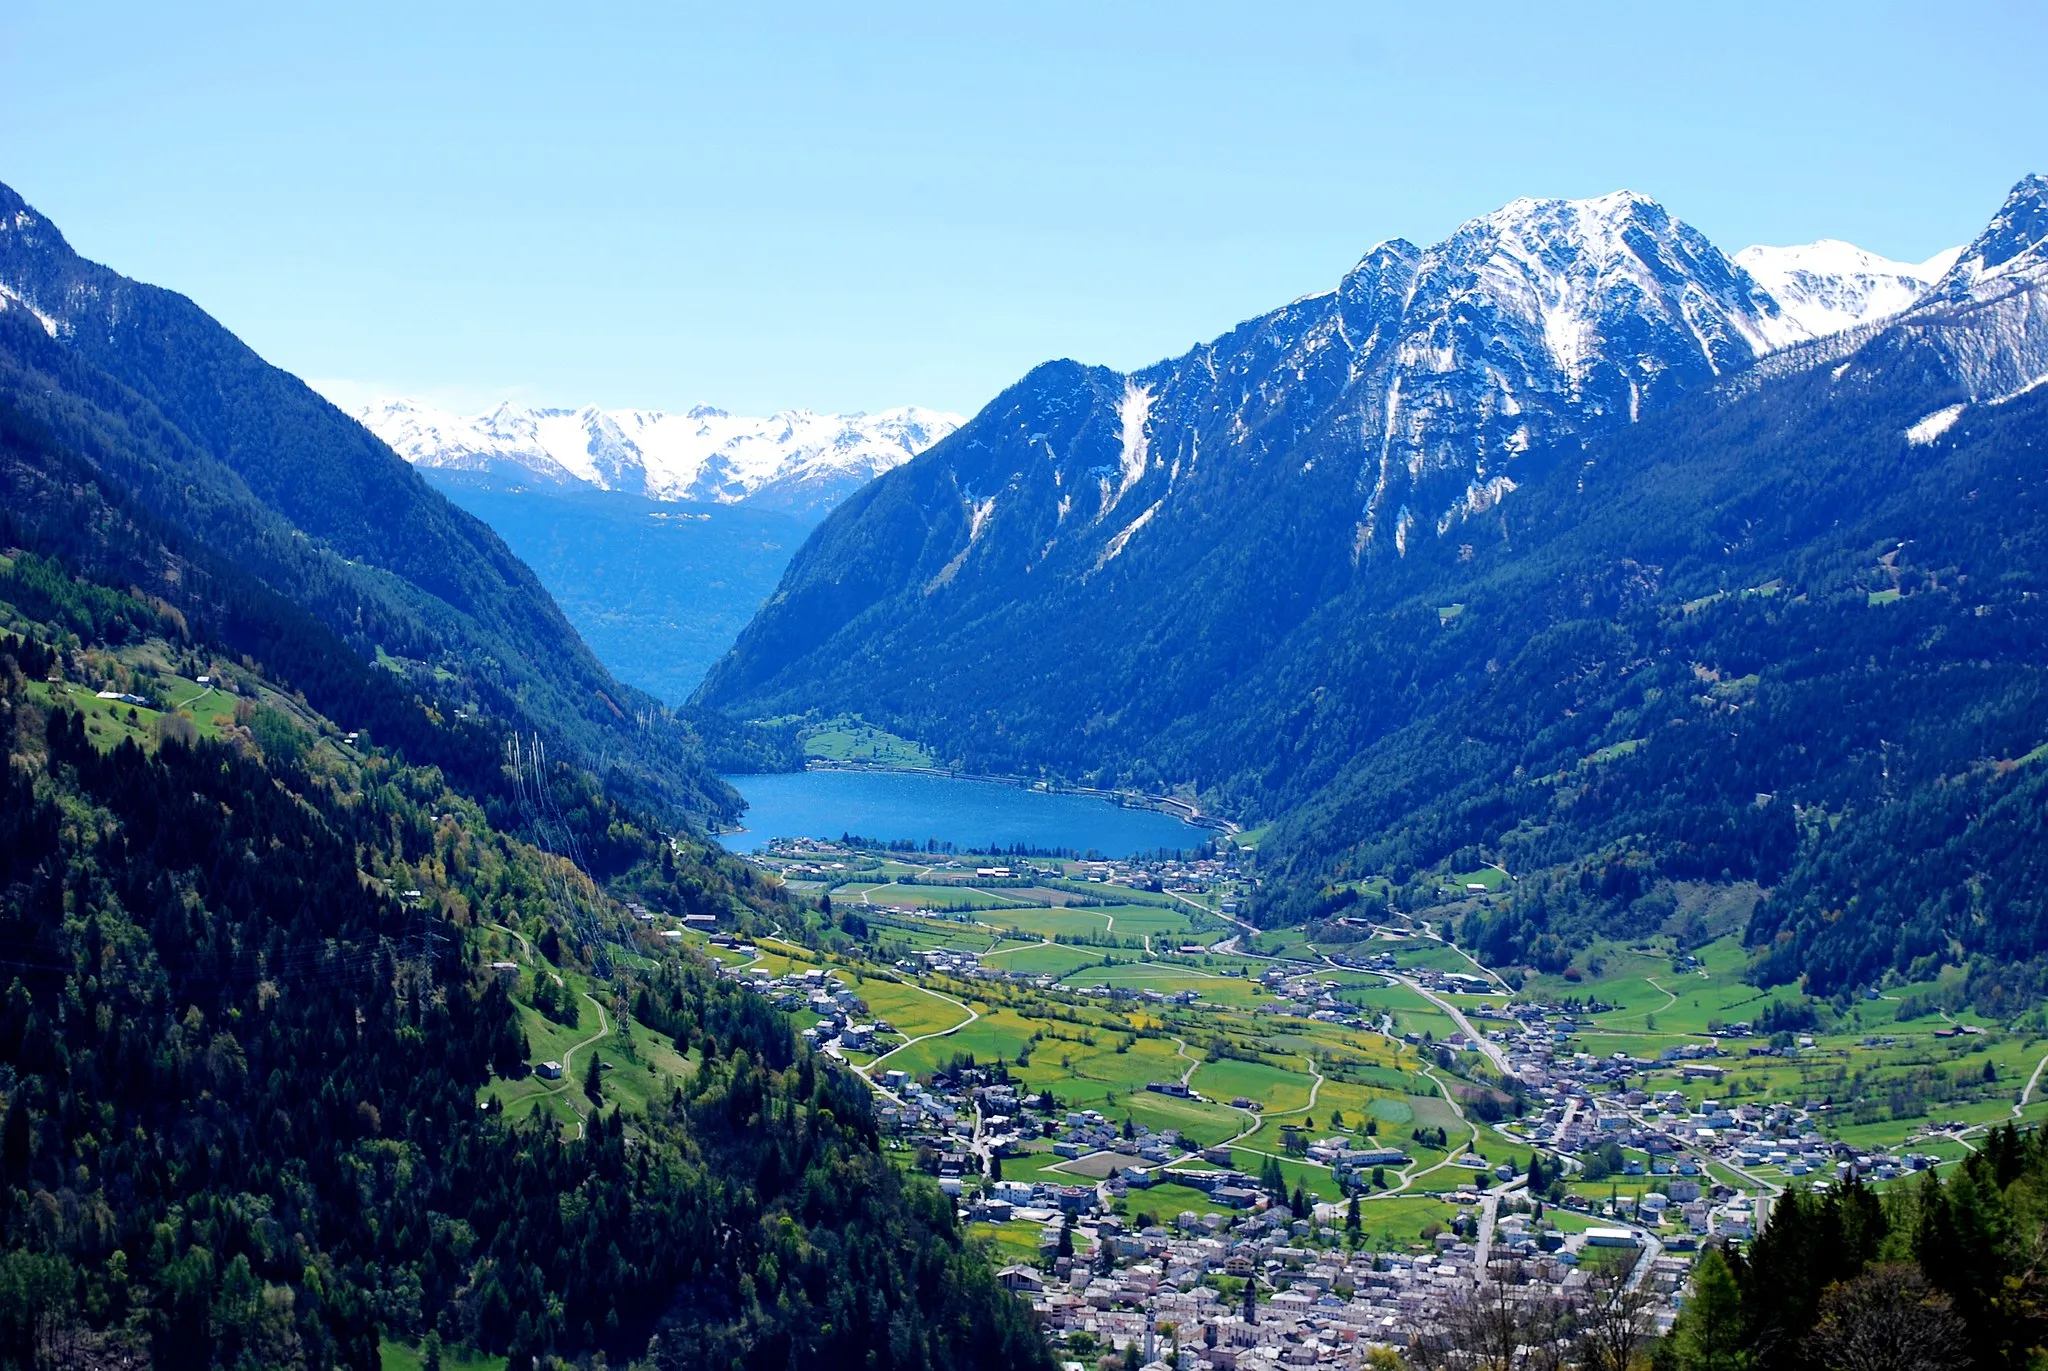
1927,430
979,519
9,299
1124,535
1132,411
2018,391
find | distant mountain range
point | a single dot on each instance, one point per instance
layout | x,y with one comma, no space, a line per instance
1450,561
658,533
794,462
1830,286
659,589
661,599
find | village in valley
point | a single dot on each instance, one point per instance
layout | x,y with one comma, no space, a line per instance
1199,1143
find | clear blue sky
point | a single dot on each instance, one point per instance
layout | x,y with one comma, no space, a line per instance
856,205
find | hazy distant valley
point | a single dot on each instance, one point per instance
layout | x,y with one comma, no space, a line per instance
659,534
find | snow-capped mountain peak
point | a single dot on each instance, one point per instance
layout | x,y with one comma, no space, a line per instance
1986,320
1828,286
2011,252
1572,266
797,459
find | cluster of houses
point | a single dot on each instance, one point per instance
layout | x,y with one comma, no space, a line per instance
842,1015
943,961
1087,1130
935,1116
1316,1302
1586,1102
1191,876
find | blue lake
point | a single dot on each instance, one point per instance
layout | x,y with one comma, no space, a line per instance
972,815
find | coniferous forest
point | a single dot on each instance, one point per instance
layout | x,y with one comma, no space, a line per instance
245,1049
1941,1274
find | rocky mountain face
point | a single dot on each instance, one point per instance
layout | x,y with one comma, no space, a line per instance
794,462
1401,404
1330,434
1194,513
1984,324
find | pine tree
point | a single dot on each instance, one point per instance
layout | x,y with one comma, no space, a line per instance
1709,1334
593,1080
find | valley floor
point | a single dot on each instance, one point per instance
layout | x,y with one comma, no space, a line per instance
1104,1048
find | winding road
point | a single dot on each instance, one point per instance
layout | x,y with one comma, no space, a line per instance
2028,1093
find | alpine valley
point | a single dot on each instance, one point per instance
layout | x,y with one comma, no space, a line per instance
1569,545
1561,607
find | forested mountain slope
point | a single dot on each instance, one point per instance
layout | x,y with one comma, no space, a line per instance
254,1062
245,461
1741,636
1763,643
1191,513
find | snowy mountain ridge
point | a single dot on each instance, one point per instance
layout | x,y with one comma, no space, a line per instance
1985,322
1542,319
795,460
1828,286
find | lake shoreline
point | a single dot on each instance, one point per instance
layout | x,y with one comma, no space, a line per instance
896,804
1187,811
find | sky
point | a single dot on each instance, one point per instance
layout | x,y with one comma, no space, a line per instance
849,207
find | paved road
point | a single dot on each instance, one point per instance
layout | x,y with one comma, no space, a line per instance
1487,1047
1652,1249
1489,1211
2028,1093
